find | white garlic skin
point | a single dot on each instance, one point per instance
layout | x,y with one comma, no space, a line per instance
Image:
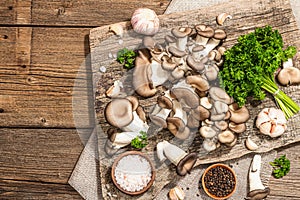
145,21
271,121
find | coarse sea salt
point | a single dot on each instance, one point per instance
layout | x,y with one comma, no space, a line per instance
133,173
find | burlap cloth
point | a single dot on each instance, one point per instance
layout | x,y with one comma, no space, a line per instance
85,177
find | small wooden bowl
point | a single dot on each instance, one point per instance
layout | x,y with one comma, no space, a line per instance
206,190
115,165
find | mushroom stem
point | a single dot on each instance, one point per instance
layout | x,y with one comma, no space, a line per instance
173,153
158,75
123,139
136,125
257,189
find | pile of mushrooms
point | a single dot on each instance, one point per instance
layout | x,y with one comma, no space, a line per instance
184,69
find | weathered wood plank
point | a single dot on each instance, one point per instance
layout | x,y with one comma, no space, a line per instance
88,13
288,186
46,155
11,189
245,19
49,82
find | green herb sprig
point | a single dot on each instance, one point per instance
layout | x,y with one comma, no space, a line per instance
126,57
250,65
140,141
281,166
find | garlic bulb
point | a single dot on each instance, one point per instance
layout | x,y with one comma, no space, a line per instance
145,21
271,121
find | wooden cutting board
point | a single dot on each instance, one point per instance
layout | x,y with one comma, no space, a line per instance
247,15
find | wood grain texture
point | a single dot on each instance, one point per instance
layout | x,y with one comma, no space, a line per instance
89,13
11,189
42,155
246,17
43,71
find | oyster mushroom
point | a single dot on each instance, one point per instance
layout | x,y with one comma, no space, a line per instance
210,145
271,121
257,190
181,34
168,63
184,161
170,41
176,193
222,17
206,102
289,75
218,94
237,128
197,66
204,33
207,132
177,123
221,125
200,113
198,82
211,72
226,137
141,82
238,114
185,93
122,113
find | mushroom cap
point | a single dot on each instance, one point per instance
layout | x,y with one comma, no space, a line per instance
157,120
170,39
192,122
221,125
211,73
140,81
181,32
237,128
205,31
205,102
177,127
196,66
164,102
198,82
207,132
226,136
218,94
258,194
190,98
134,101
167,63
141,113
210,145
149,42
198,48
119,112
220,107
176,52
186,164
220,34
238,114
200,113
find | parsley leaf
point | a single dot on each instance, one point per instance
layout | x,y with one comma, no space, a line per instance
140,141
126,57
281,166
249,68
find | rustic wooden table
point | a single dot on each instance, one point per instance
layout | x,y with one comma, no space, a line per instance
42,46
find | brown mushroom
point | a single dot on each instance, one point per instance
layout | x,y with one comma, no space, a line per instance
218,94
178,128
198,82
237,128
197,66
226,136
238,115
119,112
203,34
182,35
141,82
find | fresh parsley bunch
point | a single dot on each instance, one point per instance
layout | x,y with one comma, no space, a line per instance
126,57
281,166
250,66
140,141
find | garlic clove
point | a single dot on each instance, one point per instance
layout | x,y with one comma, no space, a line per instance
176,193
145,21
265,128
250,144
277,130
117,29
